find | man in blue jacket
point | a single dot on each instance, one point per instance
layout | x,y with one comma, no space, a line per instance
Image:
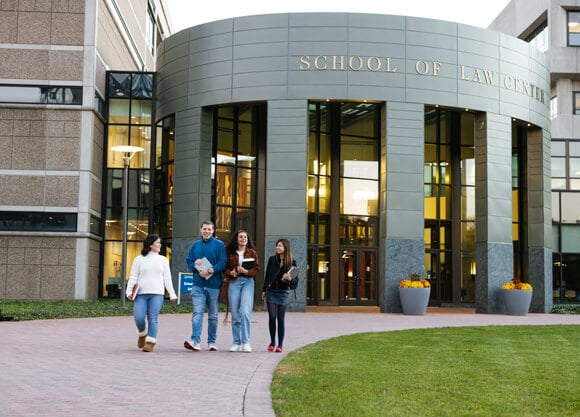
206,259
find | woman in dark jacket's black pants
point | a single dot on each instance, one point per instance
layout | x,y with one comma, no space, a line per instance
276,291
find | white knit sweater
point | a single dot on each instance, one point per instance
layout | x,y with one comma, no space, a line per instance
152,274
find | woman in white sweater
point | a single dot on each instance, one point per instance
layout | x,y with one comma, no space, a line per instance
150,272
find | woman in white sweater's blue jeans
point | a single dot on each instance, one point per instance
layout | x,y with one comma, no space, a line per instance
150,271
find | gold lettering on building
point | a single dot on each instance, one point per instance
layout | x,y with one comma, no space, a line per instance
338,63
426,68
355,63
422,67
478,75
341,63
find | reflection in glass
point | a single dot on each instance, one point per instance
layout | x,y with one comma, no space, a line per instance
112,266
245,188
467,203
558,148
570,204
119,84
234,166
574,167
119,111
558,167
359,197
141,112
573,28
359,231
41,94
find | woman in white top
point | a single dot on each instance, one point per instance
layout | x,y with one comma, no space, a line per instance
150,272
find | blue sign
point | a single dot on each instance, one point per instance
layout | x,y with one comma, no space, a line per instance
185,284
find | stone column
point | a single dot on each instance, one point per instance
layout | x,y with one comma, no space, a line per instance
402,218
493,210
192,186
539,220
286,180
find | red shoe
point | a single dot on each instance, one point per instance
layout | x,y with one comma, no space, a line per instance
270,348
278,349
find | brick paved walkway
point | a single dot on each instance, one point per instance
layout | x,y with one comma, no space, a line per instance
92,367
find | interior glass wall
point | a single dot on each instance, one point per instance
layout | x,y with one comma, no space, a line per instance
449,204
343,203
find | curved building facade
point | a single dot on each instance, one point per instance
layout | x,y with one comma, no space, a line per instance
380,146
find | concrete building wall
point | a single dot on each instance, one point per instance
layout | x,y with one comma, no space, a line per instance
51,156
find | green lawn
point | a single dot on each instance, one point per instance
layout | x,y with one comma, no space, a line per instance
495,371
40,310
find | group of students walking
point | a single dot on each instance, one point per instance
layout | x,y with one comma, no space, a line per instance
209,259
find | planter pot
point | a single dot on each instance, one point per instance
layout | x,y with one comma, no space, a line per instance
414,300
517,302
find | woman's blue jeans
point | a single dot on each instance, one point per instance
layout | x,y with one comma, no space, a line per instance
241,299
146,310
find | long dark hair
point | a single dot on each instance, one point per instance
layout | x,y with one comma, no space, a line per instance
149,240
286,258
233,244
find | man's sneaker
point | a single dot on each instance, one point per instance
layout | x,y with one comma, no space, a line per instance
236,348
191,345
246,348
212,347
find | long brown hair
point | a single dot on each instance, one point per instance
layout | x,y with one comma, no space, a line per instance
232,246
286,258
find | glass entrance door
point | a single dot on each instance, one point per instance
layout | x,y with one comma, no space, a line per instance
438,262
358,271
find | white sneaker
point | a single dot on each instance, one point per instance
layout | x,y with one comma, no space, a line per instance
212,347
236,348
188,344
246,348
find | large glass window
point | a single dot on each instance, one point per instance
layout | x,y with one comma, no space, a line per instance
343,202
573,28
129,98
164,177
566,246
565,164
576,96
539,38
553,107
30,221
44,94
519,200
239,132
449,204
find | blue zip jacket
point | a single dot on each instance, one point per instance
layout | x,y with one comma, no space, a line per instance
215,252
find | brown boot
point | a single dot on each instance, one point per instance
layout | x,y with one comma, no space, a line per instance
149,344
141,339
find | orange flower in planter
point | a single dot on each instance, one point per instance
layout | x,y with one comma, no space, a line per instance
415,281
516,284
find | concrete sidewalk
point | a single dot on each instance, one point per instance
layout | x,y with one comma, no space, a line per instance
92,367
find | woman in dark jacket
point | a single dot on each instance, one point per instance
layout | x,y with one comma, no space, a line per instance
276,291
